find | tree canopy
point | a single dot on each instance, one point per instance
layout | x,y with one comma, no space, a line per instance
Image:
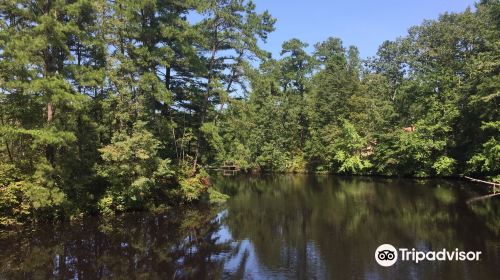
111,106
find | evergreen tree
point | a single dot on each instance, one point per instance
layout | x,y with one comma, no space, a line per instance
119,105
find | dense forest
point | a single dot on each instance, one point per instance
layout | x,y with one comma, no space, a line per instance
112,106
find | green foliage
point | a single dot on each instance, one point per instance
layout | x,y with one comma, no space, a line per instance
444,166
191,188
487,159
105,112
211,133
196,188
344,150
14,207
272,159
417,153
216,197
297,164
122,112
38,198
415,110
133,168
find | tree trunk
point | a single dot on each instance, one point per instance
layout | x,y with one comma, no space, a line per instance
9,153
50,150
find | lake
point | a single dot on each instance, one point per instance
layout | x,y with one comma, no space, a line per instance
274,227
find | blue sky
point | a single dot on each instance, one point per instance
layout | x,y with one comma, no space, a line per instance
363,23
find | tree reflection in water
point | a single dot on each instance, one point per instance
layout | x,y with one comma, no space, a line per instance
324,227
174,246
287,227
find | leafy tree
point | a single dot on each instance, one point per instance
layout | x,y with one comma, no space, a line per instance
231,31
51,59
119,105
486,160
133,168
344,150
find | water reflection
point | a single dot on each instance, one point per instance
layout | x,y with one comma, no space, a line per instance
273,227
186,245
309,227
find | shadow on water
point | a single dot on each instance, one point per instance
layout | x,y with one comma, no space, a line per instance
281,227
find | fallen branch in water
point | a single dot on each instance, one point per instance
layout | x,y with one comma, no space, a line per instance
481,181
493,187
482,197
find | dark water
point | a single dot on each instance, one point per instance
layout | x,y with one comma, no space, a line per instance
276,227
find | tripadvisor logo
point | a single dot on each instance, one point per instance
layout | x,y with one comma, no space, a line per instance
387,255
